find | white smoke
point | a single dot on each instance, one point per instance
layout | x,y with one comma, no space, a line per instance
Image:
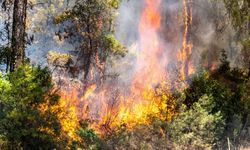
42,27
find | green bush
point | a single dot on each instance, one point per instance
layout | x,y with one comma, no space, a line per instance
23,124
229,90
197,127
88,138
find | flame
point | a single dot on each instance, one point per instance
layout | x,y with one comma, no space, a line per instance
66,112
89,92
143,101
184,54
107,108
149,71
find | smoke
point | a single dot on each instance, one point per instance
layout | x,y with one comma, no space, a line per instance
210,31
190,36
41,27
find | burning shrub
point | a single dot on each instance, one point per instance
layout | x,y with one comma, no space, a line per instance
23,125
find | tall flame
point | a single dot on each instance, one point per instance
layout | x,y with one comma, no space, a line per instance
149,69
142,101
108,109
184,54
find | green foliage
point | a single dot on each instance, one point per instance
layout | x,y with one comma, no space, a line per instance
59,59
22,122
246,53
96,20
246,43
197,127
244,133
239,12
88,139
203,84
116,47
230,96
62,17
114,3
142,137
245,90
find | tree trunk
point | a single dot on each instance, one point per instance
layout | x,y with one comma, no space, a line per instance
18,34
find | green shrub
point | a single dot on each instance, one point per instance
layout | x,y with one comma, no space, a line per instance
197,127
88,138
23,125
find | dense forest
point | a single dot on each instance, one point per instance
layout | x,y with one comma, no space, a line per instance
125,74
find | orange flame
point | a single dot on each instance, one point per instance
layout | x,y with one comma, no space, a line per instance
142,102
148,90
183,55
149,70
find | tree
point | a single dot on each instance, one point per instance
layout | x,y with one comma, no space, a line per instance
92,26
18,34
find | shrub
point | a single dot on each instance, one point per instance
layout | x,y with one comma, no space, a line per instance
197,127
23,124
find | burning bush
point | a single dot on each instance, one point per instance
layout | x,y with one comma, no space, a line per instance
23,125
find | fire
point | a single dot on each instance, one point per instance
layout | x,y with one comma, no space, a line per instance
107,108
89,91
151,18
143,101
183,55
67,114
149,71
